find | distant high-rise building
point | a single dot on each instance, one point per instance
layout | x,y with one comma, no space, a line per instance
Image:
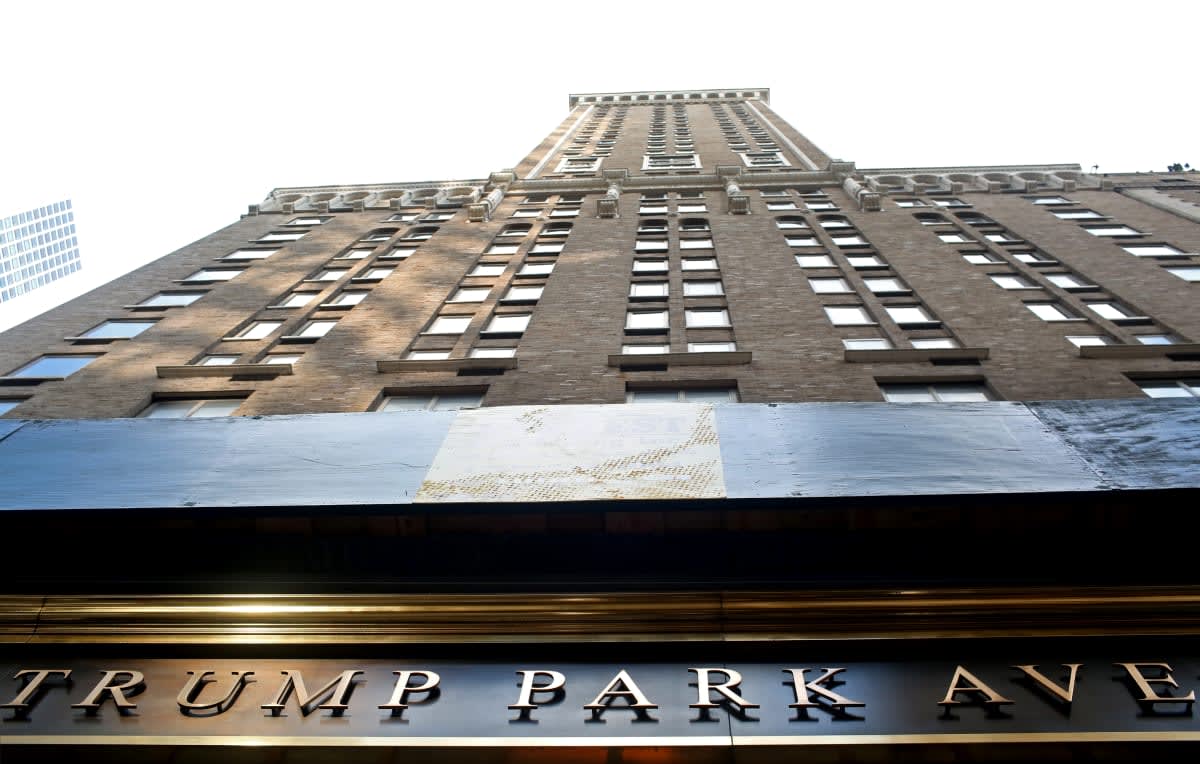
37,246
680,441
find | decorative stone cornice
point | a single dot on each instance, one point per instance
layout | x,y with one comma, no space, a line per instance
643,97
448,193
955,180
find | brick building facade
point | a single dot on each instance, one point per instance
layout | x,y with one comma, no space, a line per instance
682,250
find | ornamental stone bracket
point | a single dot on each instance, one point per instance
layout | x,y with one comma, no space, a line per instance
608,206
868,200
738,200
498,183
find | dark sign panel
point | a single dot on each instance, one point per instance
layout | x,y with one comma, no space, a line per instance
1064,696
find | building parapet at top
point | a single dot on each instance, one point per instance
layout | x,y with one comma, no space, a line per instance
956,180
445,193
659,96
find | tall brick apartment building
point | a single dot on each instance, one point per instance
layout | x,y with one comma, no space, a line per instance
681,440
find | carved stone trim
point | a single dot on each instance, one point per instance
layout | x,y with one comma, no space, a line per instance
646,97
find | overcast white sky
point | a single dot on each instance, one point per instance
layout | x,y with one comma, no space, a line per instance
163,121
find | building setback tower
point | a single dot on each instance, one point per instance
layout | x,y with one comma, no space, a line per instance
681,440
36,247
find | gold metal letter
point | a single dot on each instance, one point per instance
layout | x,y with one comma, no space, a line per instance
704,688
992,698
117,691
22,701
1143,682
1066,695
557,682
195,685
632,691
817,686
337,698
401,691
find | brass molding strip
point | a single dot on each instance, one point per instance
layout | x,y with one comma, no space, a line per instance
656,616
317,741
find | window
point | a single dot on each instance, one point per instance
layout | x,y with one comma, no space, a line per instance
952,238
652,209
910,203
685,395
355,254
171,299
296,300
375,274
114,330
703,289
645,349
437,217
315,329
698,263
208,274
786,205
470,294
791,221
350,298
579,164
648,290
908,315
814,261
1049,200
400,253
512,323
526,213
329,274
1171,388
941,392
191,408
828,222
307,221
865,343
547,248
436,402
935,343
695,244
249,254
283,236
1012,281
1003,238
502,249
1114,311
646,320
523,294
53,366
950,202
1068,281
886,286
764,159
850,315
1187,273
8,404
1112,230
428,355
515,229
1156,339
693,225
218,360
652,225
849,241
1078,214
981,258
487,269
1089,340
670,161
1050,311
930,218
650,265
1033,258
801,241
282,358
422,233
820,206
864,261
403,217
449,325
712,347
556,229
706,319
829,285
258,330
691,207
493,352
536,269
650,245
1152,250
564,212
